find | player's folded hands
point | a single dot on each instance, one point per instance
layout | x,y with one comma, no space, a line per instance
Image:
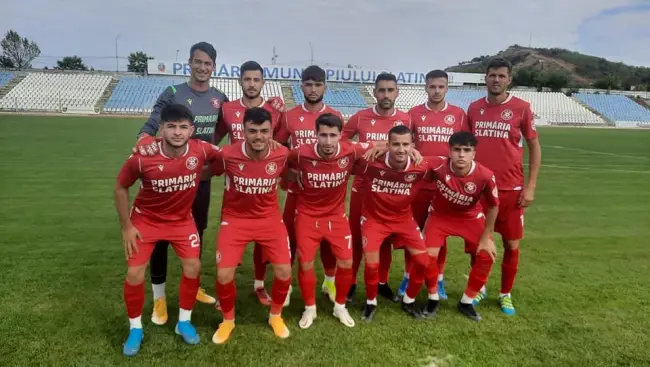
146,145
130,235
487,244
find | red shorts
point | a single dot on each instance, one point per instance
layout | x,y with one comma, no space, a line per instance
510,220
235,233
423,198
405,233
311,231
183,237
439,227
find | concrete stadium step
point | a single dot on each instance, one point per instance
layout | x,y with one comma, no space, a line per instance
287,94
99,106
607,121
640,101
370,100
14,82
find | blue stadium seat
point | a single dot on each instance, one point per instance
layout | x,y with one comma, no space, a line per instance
615,107
138,94
5,77
464,97
336,96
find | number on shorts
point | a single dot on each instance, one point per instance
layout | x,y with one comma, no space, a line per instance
194,240
349,238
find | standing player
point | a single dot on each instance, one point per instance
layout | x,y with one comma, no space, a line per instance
372,125
299,127
250,212
323,172
251,82
162,211
501,122
461,183
386,211
434,122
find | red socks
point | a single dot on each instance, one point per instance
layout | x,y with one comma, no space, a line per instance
307,283
385,260
227,294
343,282
479,274
258,261
432,275
419,264
442,259
134,299
187,292
371,277
509,268
328,259
279,291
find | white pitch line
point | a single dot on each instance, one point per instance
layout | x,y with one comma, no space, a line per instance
593,169
596,152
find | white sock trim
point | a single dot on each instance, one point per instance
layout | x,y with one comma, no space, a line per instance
466,299
136,322
158,290
434,296
372,301
184,315
258,284
504,294
338,306
406,275
407,299
329,279
440,277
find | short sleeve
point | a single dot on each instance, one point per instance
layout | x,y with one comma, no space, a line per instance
283,133
528,129
361,148
212,152
130,171
351,128
360,167
491,192
218,166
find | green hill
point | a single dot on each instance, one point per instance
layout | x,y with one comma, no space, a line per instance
580,70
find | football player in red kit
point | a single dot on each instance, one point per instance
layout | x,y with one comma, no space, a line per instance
162,212
386,212
250,212
434,122
372,125
299,127
251,82
323,172
501,122
461,183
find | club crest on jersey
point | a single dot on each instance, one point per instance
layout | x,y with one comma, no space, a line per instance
343,162
450,119
191,163
215,103
506,115
271,168
470,187
237,113
398,123
241,167
160,167
364,145
410,177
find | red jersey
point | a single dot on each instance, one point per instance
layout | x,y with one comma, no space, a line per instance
387,195
233,119
371,127
432,129
324,181
167,185
250,191
458,196
299,125
501,130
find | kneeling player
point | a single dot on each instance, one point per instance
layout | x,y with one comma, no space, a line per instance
386,212
250,213
162,212
323,172
461,183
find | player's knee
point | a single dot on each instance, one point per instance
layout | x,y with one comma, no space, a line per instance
225,276
282,272
511,244
371,257
135,274
420,259
344,264
191,268
307,265
433,251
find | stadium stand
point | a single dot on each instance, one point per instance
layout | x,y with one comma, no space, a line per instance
137,94
618,108
558,109
232,89
347,99
5,77
57,92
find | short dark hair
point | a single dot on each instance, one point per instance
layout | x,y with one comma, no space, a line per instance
314,73
251,66
385,76
498,62
399,130
257,116
433,74
329,120
205,47
176,113
463,138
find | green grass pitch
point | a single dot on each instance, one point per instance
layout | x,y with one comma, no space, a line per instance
581,294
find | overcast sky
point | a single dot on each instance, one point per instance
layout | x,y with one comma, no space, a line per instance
411,35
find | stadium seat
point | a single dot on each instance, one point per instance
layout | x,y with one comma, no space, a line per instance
347,99
232,89
5,77
616,107
558,109
138,94
56,92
